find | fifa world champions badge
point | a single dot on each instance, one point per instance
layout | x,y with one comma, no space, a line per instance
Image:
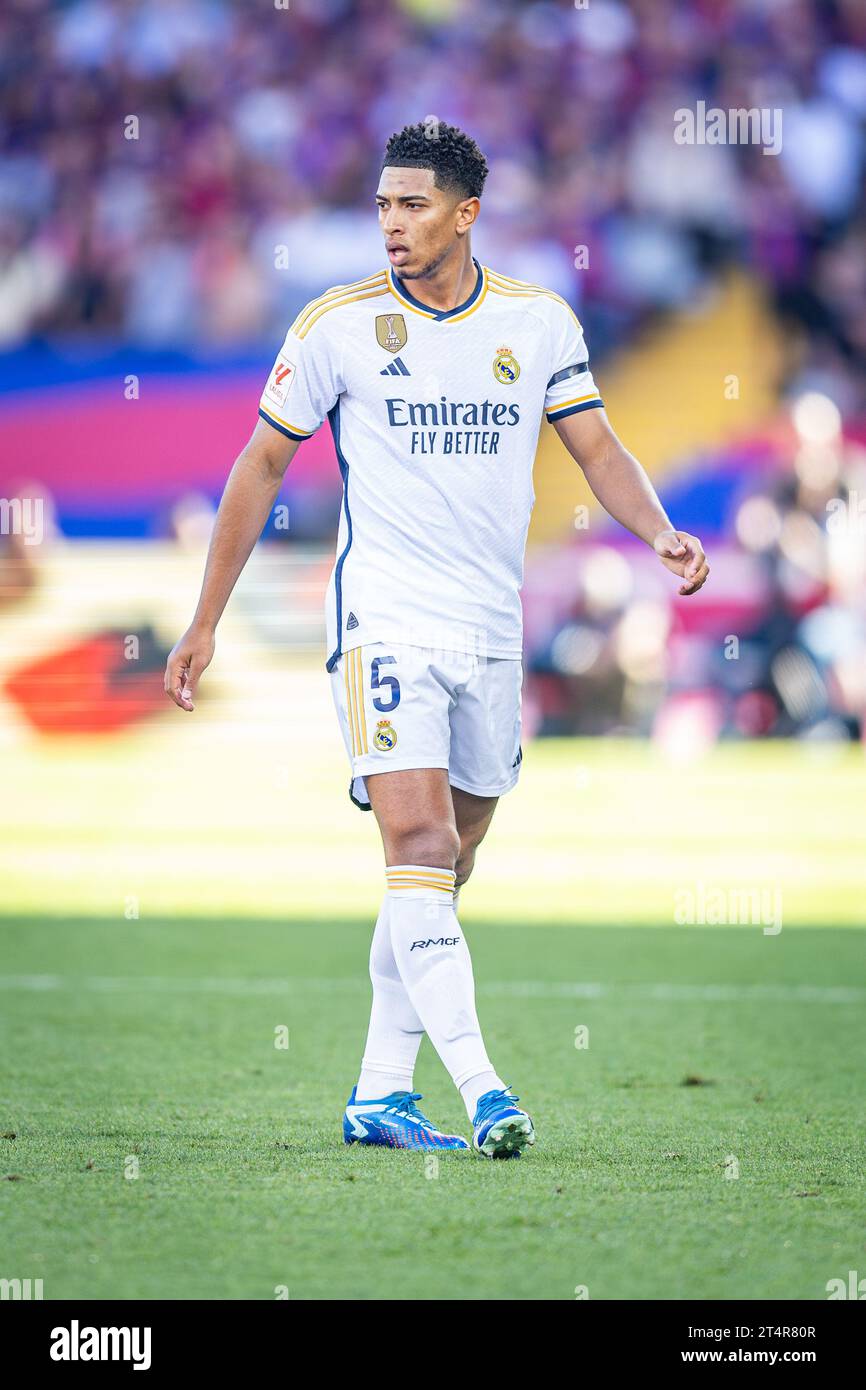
506,367
391,331
385,737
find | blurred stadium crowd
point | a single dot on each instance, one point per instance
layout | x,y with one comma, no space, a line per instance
184,174
261,128
777,648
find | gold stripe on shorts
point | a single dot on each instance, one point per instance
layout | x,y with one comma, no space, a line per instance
349,710
362,713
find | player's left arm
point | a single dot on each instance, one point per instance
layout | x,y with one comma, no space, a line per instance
626,493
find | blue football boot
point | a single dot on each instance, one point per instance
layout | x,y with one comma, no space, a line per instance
502,1130
394,1122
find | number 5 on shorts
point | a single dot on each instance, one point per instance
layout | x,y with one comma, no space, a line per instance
377,682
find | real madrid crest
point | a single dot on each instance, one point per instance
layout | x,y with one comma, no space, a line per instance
385,737
506,367
391,331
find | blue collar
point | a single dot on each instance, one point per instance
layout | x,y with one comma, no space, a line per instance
440,314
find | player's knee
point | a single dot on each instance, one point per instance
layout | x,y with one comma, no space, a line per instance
424,844
465,864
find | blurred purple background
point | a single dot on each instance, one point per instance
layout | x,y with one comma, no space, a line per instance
175,260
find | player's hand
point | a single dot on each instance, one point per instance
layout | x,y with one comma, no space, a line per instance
186,661
683,555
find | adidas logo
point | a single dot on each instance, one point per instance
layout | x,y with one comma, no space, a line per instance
519,759
396,368
351,622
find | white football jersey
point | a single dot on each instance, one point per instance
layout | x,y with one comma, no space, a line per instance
435,417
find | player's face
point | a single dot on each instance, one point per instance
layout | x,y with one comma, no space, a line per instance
421,223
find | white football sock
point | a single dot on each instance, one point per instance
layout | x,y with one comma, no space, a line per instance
395,1031
433,959
478,1086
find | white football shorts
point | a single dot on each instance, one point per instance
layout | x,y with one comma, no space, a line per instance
403,707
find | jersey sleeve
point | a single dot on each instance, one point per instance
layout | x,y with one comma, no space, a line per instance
571,387
304,383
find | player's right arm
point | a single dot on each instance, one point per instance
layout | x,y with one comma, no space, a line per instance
246,503
304,385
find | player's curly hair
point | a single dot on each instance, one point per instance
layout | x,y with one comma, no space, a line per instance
454,157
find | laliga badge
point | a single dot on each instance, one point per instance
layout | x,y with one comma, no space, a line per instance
280,380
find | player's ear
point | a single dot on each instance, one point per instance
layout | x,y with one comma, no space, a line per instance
467,211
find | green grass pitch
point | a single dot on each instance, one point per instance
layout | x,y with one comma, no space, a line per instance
707,1143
